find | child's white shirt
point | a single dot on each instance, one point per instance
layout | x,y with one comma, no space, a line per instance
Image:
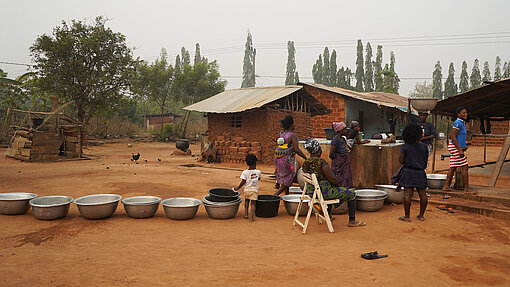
252,179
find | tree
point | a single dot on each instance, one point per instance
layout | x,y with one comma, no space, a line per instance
464,80
437,81
333,70
378,81
369,69
360,72
88,64
390,80
317,71
422,90
506,70
290,78
155,82
2,74
475,79
395,81
296,77
497,69
198,57
325,68
450,87
178,63
185,57
486,72
249,64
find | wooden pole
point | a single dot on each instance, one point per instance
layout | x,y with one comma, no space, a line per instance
485,149
501,159
434,143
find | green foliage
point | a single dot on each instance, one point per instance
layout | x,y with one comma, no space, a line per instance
2,74
333,81
390,80
296,77
450,87
88,64
395,81
506,70
497,69
317,71
185,57
249,63
344,76
198,57
422,90
325,73
378,81
360,72
369,69
290,78
464,79
326,68
486,72
437,81
475,79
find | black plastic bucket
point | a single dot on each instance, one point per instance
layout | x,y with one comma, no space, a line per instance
222,194
267,205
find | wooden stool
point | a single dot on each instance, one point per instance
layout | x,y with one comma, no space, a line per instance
316,198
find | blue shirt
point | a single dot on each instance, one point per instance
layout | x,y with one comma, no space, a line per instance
460,125
340,145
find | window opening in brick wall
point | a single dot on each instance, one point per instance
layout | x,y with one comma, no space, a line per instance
235,121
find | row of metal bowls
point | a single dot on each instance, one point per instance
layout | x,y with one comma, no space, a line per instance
96,206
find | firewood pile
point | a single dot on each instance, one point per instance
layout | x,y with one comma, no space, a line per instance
235,149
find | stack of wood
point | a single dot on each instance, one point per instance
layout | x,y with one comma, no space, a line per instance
34,146
235,149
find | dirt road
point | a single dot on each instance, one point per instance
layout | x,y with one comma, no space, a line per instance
458,249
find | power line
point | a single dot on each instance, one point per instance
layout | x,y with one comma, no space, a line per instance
17,64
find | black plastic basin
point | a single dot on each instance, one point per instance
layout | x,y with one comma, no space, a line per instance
267,205
222,194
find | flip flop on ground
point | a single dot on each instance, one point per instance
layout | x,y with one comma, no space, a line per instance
373,255
357,224
403,218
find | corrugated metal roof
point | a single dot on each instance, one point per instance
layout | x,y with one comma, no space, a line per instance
378,98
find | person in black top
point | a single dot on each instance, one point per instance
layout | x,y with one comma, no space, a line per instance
428,129
354,133
413,157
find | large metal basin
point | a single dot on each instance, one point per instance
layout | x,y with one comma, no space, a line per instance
50,207
393,195
436,181
222,211
370,194
291,202
342,209
181,208
15,202
141,206
97,206
295,190
369,204
423,104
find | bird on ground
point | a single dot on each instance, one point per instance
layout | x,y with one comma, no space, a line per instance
159,159
135,157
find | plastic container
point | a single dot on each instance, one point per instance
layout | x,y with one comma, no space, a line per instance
330,133
222,194
267,205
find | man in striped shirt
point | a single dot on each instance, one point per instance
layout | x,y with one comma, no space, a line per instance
457,147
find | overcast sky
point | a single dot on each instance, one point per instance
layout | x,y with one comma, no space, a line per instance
441,29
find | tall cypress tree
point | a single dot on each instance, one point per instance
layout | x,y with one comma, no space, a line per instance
475,79
464,79
317,71
378,69
497,69
369,69
506,70
185,57
486,72
437,79
296,77
178,63
360,71
325,68
333,70
450,87
198,57
395,81
249,63
290,78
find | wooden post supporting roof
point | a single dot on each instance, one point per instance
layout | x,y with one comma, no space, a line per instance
501,160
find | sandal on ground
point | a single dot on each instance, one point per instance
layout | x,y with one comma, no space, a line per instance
373,255
450,210
403,218
448,189
442,207
357,224
420,218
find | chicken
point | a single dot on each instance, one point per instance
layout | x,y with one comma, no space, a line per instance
135,157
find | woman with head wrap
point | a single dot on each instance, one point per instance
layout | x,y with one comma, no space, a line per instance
330,186
285,156
339,155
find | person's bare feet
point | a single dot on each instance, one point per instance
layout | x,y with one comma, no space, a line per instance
448,189
420,217
246,216
252,219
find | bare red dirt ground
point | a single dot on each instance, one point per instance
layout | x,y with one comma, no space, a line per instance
459,249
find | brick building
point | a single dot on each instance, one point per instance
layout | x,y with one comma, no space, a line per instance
154,122
376,112
248,120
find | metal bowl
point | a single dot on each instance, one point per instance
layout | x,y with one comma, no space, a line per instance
295,190
423,104
436,181
50,207
181,208
291,202
15,202
393,195
365,204
222,211
97,206
141,206
370,194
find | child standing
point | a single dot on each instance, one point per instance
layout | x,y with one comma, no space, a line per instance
413,157
250,177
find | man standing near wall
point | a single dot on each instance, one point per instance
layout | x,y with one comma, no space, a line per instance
429,131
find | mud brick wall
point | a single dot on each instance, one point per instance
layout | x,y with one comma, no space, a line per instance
497,128
334,102
258,133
